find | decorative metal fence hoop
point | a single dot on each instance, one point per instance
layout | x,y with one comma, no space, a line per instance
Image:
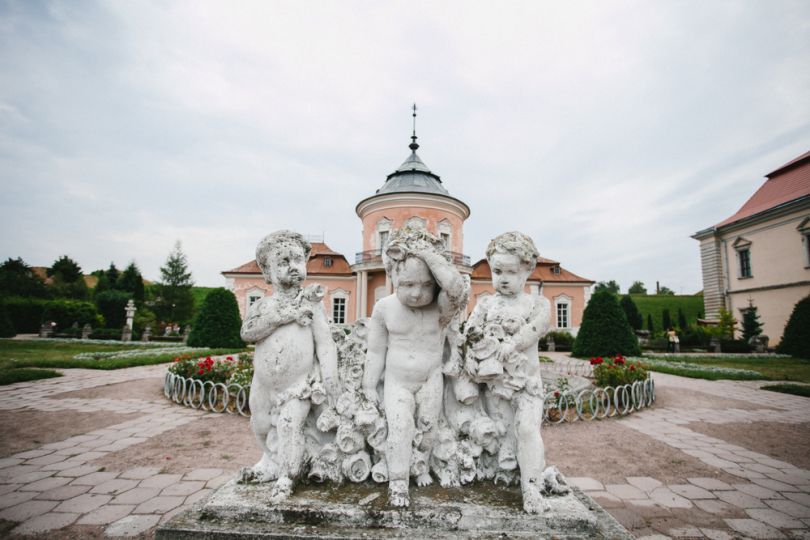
207,395
596,403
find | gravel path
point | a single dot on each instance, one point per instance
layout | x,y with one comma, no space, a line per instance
98,454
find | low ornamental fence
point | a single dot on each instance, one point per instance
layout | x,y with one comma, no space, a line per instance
207,395
558,406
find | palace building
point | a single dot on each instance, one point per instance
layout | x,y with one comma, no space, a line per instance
415,196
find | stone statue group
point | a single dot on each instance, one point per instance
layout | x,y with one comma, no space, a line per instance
411,392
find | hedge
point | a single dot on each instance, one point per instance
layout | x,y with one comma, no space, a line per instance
605,330
25,313
218,322
66,312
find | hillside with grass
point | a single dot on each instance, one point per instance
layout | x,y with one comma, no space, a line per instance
655,304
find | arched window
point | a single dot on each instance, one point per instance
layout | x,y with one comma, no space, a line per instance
416,222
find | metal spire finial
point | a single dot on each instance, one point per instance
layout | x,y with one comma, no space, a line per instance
414,146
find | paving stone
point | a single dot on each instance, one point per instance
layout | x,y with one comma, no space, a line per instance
171,513
161,480
195,497
775,484
790,508
744,473
716,534
46,484
654,537
803,534
94,479
644,503
625,491
801,498
27,510
8,462
757,491
183,488
774,518
132,525
628,518
83,503
16,497
666,498
81,470
32,476
136,495
158,505
62,493
8,488
45,460
32,454
686,532
691,491
114,487
754,529
786,478
710,483
45,522
740,499
58,466
85,457
644,483
141,473
718,508
208,474
106,514
220,481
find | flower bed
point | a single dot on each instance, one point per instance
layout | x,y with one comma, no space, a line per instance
213,384
136,353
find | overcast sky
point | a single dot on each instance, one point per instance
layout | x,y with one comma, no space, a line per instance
608,131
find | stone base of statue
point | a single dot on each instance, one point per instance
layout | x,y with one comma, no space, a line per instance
360,511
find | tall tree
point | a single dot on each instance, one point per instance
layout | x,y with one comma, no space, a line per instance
637,288
131,281
176,303
19,279
610,286
67,279
666,291
681,320
112,275
650,325
604,330
631,311
796,338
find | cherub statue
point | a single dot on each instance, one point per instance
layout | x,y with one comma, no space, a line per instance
503,332
406,340
294,363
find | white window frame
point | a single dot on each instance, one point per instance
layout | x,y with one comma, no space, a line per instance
253,295
804,230
743,246
566,302
445,230
343,297
382,231
416,222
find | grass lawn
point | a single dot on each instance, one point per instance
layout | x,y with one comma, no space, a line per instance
656,304
787,388
738,368
18,357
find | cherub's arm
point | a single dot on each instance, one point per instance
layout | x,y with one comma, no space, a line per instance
455,290
260,323
326,350
537,327
377,347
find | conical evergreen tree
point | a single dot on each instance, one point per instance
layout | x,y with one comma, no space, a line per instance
796,339
218,322
751,327
666,320
681,320
605,330
650,325
176,302
631,312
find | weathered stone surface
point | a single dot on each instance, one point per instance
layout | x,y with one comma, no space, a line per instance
477,511
754,529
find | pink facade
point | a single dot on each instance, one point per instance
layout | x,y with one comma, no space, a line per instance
415,197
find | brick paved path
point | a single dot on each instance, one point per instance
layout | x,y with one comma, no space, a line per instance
57,484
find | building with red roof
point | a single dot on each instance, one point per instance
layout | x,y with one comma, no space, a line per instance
760,255
410,196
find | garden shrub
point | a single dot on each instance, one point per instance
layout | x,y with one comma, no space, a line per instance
226,371
218,322
25,313
734,346
66,312
632,313
695,337
796,338
111,304
6,328
617,371
106,333
563,341
605,330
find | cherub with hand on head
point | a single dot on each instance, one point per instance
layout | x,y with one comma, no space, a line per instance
406,340
505,328
294,353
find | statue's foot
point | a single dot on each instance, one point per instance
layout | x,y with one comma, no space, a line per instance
554,482
281,490
424,479
398,493
264,471
533,501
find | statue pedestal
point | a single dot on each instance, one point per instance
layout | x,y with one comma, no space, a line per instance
360,511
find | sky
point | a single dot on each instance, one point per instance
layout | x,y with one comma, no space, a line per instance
608,131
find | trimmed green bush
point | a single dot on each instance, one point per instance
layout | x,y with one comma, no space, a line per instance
25,313
6,328
563,341
111,304
796,338
66,312
218,322
605,330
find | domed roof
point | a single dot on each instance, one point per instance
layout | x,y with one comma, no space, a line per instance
413,176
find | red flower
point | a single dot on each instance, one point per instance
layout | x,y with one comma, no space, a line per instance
619,360
596,361
201,371
229,359
632,367
556,393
